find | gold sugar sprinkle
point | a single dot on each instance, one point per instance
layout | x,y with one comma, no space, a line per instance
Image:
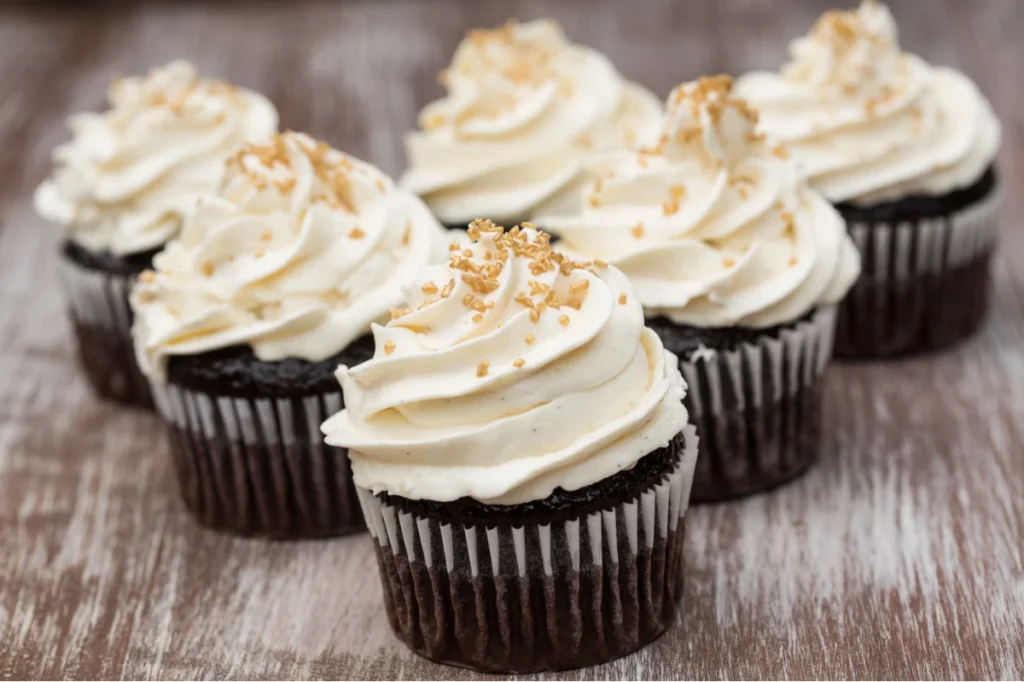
563,320
579,287
356,233
637,230
622,299
207,268
389,347
792,261
479,317
407,234
380,185
481,369
454,246
728,262
429,288
399,312
447,291
519,362
529,339
147,276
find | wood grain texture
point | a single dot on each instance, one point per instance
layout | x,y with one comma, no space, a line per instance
899,555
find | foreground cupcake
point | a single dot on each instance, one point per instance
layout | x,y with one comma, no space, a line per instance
120,190
738,266
906,151
523,459
524,110
273,282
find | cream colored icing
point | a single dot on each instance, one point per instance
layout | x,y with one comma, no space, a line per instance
126,179
515,371
715,226
869,122
524,111
298,253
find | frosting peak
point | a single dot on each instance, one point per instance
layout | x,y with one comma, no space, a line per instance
524,109
300,251
869,122
513,371
128,176
703,120
714,225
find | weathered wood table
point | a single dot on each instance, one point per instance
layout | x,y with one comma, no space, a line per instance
899,555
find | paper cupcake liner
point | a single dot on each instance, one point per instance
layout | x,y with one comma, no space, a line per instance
924,286
757,408
536,597
102,320
260,466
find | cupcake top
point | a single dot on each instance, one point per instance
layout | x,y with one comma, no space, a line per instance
524,109
714,226
869,122
297,254
126,179
513,372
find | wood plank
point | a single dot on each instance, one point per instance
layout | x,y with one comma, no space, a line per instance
898,556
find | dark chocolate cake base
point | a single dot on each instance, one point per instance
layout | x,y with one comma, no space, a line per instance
539,587
924,281
97,287
247,448
755,398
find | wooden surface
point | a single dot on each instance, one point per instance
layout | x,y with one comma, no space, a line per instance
899,555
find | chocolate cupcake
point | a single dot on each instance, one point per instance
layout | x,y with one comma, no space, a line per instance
273,282
738,266
524,461
524,111
906,151
120,190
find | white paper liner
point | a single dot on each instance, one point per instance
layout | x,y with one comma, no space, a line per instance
520,586
96,298
759,373
930,246
99,307
756,408
924,286
259,466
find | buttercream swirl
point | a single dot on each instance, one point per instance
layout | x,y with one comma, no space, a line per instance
869,122
126,179
514,372
523,111
300,251
714,226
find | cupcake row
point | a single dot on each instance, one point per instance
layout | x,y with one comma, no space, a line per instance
515,422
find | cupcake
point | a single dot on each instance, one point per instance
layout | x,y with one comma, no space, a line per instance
120,190
524,110
523,459
906,152
738,265
272,283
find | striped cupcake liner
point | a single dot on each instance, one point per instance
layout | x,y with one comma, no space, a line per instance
102,320
536,597
757,408
924,286
259,467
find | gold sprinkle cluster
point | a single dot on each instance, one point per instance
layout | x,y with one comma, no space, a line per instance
331,168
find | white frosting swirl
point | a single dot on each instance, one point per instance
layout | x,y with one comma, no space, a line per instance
525,373
129,175
524,111
714,226
868,122
301,250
